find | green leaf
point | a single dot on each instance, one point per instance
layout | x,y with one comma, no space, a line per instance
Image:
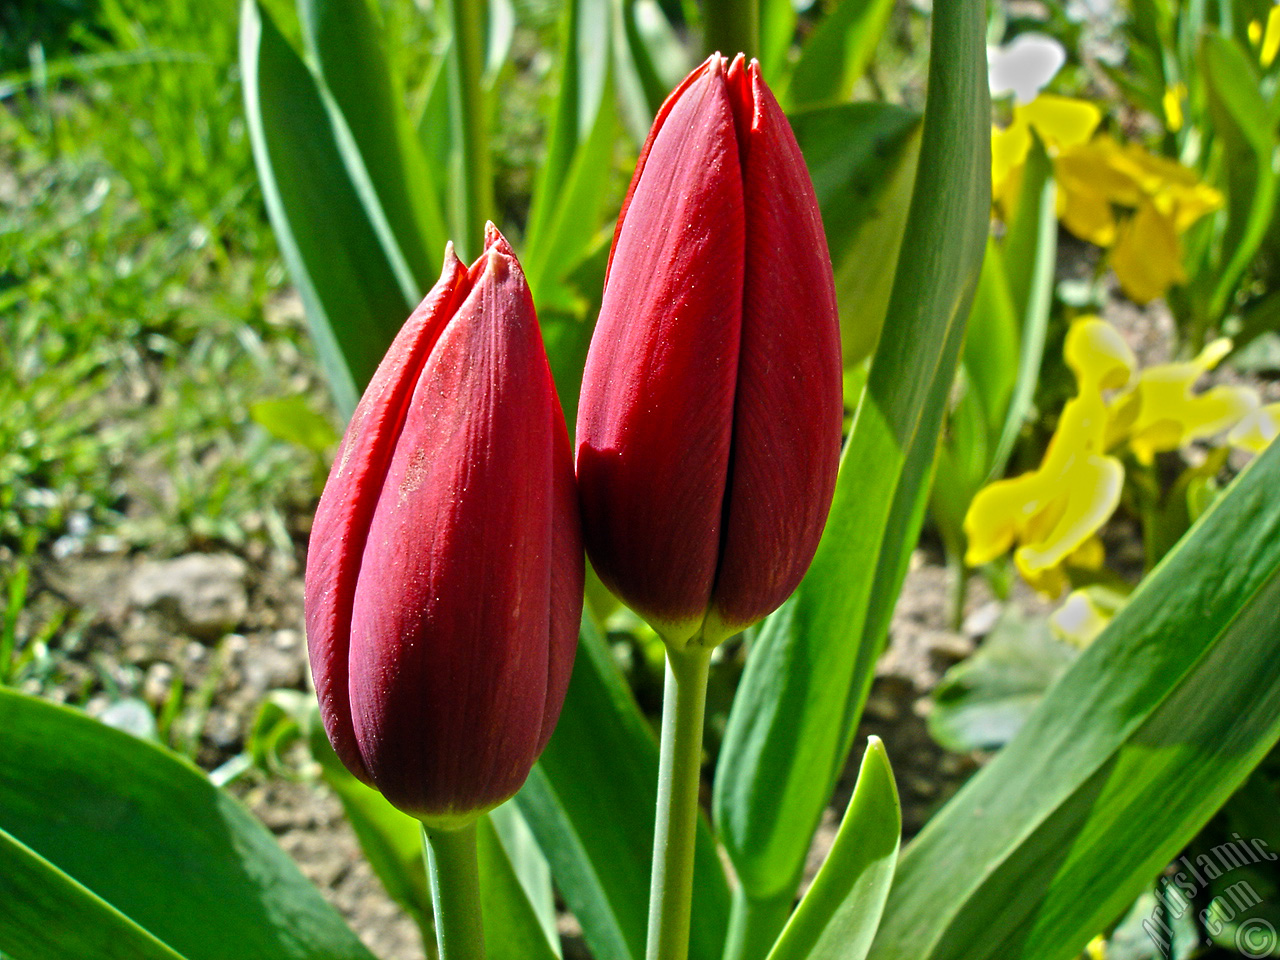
349,49
291,419
648,63
590,801
153,838
839,914
836,54
777,27
1243,121
1029,258
513,928
353,297
1129,754
568,205
60,918
983,701
861,158
808,671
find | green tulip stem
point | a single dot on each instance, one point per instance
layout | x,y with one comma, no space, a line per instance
731,27
684,703
473,169
453,870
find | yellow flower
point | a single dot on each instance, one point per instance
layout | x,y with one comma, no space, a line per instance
1172,103
1061,123
1162,413
1165,197
1257,429
1270,38
1097,948
1054,511
1098,355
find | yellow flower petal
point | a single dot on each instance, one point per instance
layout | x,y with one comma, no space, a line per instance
1147,257
1255,32
1009,148
1271,38
1090,493
1055,510
1061,122
1257,429
1098,355
1172,103
1163,414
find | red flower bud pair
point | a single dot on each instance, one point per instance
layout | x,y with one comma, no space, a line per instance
444,578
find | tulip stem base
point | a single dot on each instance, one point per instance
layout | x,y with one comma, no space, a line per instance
454,874
676,828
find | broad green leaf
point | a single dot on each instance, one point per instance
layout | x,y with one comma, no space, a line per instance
788,731
836,54
348,46
353,298
151,836
983,701
1242,120
839,914
469,188
1129,754
49,916
590,801
861,158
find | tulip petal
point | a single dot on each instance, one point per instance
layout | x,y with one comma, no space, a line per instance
449,620
346,507
656,412
788,411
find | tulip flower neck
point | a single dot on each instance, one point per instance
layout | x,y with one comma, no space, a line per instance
454,874
676,827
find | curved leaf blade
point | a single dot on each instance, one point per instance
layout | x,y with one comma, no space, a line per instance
1147,734
839,914
152,837
352,294
49,916
808,669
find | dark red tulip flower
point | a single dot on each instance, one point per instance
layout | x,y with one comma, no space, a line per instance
711,411
444,574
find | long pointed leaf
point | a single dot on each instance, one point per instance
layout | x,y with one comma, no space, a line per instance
49,916
349,49
351,291
1147,734
786,732
839,914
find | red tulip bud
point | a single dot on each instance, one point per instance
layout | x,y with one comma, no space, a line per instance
709,425
444,574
